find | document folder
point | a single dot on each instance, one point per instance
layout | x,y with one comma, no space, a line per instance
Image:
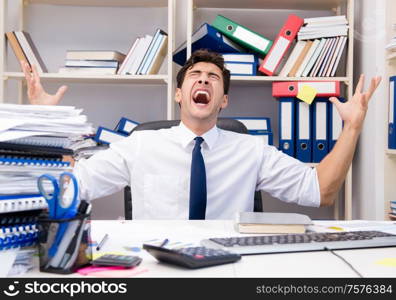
281,45
246,37
107,136
256,125
303,131
286,125
320,123
206,37
125,125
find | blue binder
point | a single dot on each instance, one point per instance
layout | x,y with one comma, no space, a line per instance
303,131
241,64
320,145
286,125
108,136
206,37
237,68
335,124
392,113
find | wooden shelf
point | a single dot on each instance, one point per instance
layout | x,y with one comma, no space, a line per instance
391,56
133,3
130,79
390,151
260,80
271,4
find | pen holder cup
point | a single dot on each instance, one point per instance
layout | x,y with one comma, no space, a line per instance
73,250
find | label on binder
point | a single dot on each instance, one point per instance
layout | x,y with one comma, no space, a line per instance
307,93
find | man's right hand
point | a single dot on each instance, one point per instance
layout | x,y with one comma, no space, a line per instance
35,91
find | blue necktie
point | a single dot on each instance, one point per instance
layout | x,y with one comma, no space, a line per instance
197,183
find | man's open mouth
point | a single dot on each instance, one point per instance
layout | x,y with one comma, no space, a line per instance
201,97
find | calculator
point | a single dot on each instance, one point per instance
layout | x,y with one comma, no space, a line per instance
192,257
126,261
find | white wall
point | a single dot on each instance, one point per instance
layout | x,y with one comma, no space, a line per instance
374,172
56,29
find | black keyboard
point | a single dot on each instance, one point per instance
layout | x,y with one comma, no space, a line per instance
192,257
302,242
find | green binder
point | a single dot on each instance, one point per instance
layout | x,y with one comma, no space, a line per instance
246,37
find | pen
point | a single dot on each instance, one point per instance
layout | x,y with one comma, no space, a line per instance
102,242
164,243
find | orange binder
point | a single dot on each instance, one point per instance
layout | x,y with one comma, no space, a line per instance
281,44
291,88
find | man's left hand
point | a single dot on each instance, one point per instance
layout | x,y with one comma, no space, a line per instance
354,111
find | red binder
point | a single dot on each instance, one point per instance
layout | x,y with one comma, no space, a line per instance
281,44
291,88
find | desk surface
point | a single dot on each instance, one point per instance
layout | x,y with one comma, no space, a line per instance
132,234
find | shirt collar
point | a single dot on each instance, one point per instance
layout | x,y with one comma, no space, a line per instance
187,136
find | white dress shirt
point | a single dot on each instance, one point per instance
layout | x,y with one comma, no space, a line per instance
156,164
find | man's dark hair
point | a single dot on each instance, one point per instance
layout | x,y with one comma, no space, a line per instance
204,55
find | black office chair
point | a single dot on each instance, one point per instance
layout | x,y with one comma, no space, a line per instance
223,123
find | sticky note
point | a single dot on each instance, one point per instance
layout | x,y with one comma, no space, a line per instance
307,93
389,262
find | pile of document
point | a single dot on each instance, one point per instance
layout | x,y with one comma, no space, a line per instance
33,140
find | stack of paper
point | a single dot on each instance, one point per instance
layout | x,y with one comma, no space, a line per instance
21,121
33,140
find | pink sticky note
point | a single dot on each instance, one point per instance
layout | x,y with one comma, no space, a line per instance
121,273
94,269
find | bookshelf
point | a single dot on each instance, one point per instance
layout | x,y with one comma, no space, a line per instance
158,79
196,10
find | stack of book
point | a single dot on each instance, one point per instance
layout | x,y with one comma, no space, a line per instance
259,127
25,50
92,62
308,132
146,55
319,48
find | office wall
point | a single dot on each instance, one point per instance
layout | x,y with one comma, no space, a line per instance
104,104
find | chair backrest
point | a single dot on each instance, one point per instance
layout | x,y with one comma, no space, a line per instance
223,123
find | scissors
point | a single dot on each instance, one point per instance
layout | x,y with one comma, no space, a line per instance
57,206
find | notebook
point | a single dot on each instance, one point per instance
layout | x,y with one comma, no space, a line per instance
260,222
